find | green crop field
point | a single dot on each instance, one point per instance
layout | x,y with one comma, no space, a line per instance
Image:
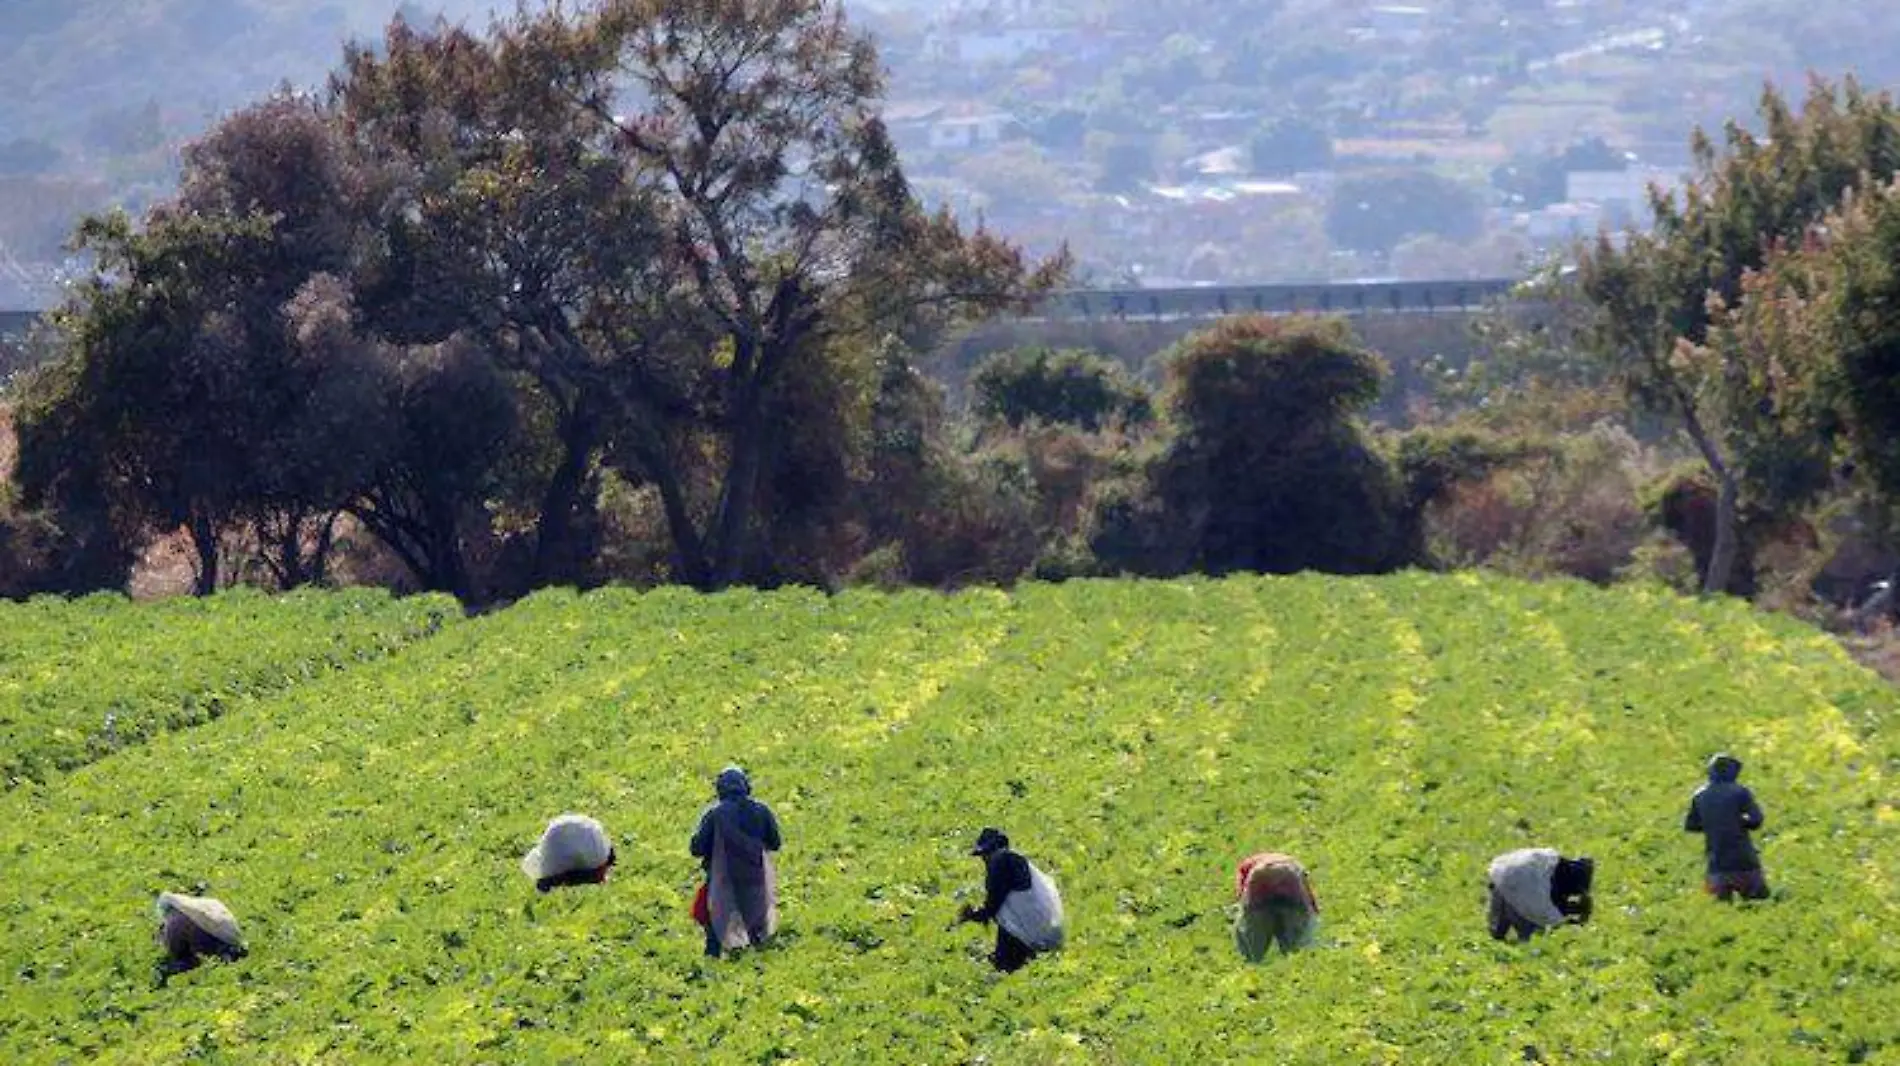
82,678
1135,739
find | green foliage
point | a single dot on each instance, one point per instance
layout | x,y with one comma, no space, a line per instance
1069,386
1394,734
1433,461
1289,144
1658,295
1834,311
1268,469
81,679
1123,161
1375,212
1535,181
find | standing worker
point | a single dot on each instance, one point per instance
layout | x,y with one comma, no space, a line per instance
1276,904
1724,811
734,843
1534,889
1020,899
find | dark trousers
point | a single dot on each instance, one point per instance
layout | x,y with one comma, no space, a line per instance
1011,954
1748,884
712,941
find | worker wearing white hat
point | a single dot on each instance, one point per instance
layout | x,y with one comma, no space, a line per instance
192,927
574,850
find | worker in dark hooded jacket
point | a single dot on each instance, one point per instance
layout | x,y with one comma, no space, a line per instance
1022,901
1724,811
734,844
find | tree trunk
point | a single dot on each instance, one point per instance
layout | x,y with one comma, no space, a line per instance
204,537
326,542
1727,503
1727,536
734,517
427,543
555,530
291,573
447,571
689,548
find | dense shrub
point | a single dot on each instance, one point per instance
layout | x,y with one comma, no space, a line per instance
1069,386
1269,468
1572,508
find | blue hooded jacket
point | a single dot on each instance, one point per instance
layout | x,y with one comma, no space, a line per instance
1725,812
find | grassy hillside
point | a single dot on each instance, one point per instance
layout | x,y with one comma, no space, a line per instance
1135,739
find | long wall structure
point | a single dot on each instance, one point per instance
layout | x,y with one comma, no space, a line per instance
1340,298
1212,301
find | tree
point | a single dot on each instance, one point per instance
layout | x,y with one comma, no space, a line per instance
1656,295
218,376
1374,212
1541,180
514,222
1811,352
432,422
1289,144
1268,469
209,408
1124,162
789,218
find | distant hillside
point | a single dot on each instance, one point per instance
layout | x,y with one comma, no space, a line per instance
72,71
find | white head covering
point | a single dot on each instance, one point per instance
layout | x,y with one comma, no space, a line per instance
571,843
204,912
1522,877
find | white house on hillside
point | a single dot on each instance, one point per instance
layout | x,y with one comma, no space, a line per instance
1624,192
959,133
996,47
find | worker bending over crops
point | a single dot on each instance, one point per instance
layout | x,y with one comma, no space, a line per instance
1724,811
574,850
193,927
1534,889
1275,905
734,843
1020,899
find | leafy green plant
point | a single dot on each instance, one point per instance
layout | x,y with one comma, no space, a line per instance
82,678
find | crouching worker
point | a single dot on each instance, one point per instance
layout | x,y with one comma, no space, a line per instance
1020,899
734,843
574,850
193,927
1724,811
1276,905
1534,889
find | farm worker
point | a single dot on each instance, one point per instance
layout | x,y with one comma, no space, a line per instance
1276,904
574,850
734,843
1533,889
1020,899
1724,811
192,927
